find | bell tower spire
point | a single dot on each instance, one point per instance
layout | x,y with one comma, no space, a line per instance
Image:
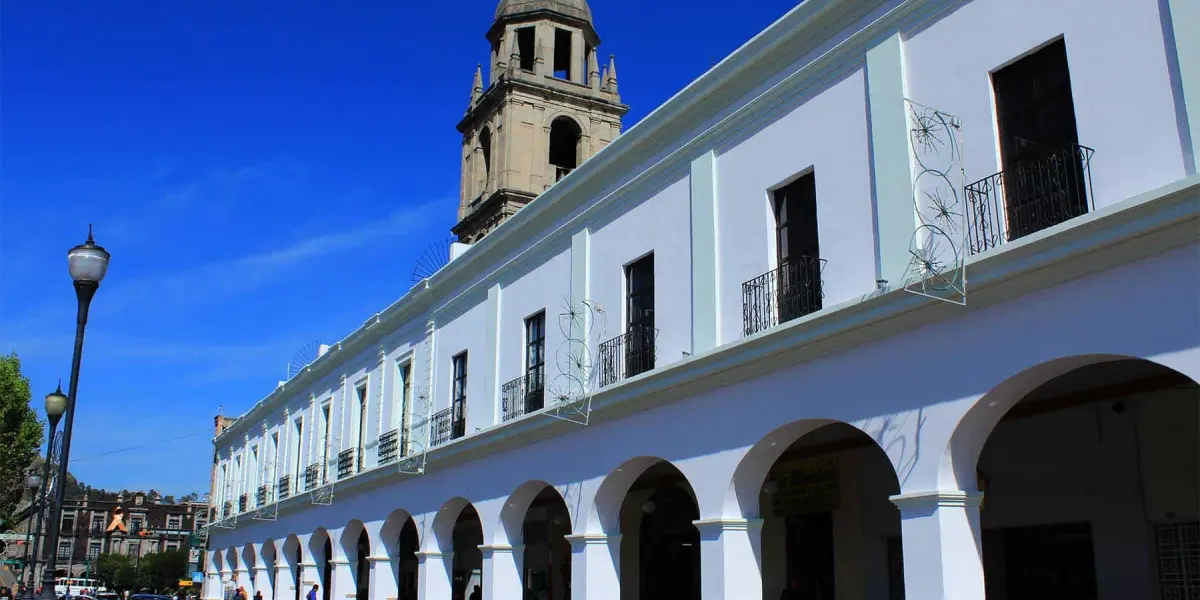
546,109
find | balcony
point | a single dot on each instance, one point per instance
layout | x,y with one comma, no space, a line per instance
446,426
523,395
314,475
627,355
780,295
285,487
389,447
243,503
263,497
1034,194
348,463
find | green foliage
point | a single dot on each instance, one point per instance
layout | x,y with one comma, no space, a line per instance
20,436
116,570
163,570
160,571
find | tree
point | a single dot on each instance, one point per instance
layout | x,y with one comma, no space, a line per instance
162,570
20,435
116,570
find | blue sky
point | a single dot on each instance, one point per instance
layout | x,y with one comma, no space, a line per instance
264,174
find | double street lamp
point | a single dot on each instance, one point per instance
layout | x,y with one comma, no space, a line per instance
87,264
34,483
56,405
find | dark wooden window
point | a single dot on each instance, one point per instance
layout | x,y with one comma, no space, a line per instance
458,395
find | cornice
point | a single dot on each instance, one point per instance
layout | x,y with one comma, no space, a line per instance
1151,223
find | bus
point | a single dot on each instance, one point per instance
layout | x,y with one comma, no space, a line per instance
75,586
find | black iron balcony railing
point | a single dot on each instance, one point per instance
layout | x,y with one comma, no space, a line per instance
523,395
448,424
788,292
1037,192
285,487
264,495
346,463
313,476
627,355
560,172
243,502
389,447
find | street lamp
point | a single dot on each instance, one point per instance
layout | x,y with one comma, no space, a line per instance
33,482
56,405
87,264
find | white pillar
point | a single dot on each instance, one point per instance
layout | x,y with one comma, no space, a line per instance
343,580
383,578
730,564
502,568
262,582
242,579
226,581
943,551
212,579
433,575
310,575
285,581
595,566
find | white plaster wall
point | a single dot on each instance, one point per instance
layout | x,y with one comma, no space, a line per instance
826,135
658,224
708,434
546,286
464,331
1119,80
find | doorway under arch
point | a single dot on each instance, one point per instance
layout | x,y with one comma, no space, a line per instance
660,545
1091,486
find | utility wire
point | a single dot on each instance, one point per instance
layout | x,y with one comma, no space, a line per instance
140,446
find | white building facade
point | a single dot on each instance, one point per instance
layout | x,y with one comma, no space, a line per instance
900,300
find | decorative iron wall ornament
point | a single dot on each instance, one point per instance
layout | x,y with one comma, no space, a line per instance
322,493
267,506
302,358
420,412
582,324
937,262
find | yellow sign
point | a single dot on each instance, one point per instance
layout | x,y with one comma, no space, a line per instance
185,583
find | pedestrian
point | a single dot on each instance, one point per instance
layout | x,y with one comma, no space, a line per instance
258,595
5,593
312,594
476,594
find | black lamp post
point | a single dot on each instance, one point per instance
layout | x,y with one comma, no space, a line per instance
87,264
56,405
33,482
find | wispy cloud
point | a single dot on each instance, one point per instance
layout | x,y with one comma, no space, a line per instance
224,278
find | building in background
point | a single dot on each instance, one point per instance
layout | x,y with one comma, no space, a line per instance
135,525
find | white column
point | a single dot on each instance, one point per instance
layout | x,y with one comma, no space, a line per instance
262,582
943,551
310,575
730,551
226,576
285,580
706,305
502,567
383,578
242,579
595,566
343,580
212,579
894,209
433,575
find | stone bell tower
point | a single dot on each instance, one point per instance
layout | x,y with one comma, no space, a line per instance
547,107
